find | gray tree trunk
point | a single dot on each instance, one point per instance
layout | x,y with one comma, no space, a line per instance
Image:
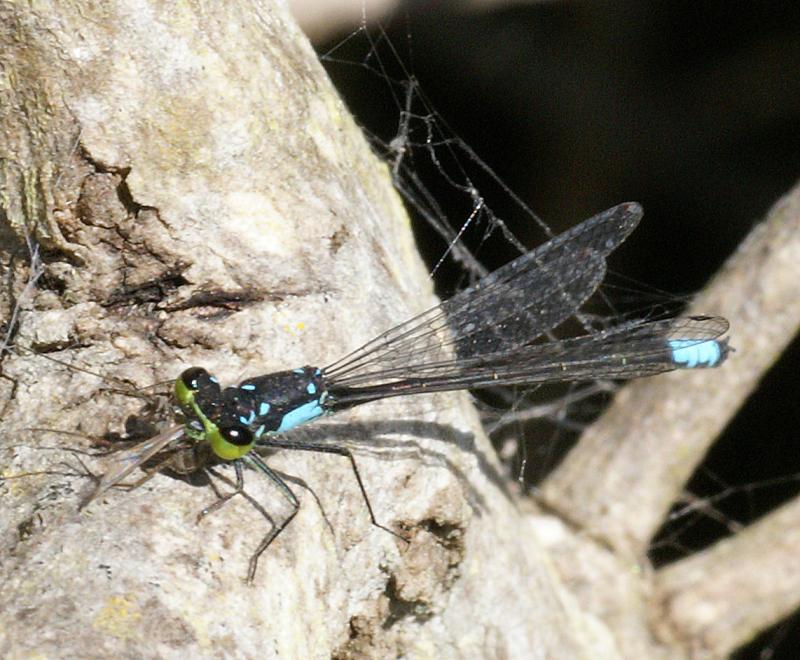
201,196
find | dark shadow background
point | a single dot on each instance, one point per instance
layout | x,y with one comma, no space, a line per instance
691,108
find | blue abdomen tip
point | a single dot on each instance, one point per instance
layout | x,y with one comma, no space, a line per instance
691,353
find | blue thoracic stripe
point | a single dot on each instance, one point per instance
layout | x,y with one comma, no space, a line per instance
300,415
691,353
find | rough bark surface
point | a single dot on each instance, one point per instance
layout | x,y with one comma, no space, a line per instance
201,196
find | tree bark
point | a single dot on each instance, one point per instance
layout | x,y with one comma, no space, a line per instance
201,196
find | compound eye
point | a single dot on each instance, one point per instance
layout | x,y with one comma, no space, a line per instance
238,436
196,383
194,378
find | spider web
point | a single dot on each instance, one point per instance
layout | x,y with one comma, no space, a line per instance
452,195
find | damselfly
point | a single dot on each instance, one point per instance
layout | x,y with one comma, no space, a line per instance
495,333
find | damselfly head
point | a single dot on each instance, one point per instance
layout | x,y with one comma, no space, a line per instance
200,397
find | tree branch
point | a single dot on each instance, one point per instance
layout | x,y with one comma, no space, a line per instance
201,196
631,465
723,597
204,197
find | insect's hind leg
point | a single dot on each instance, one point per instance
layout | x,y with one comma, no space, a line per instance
224,498
256,461
339,450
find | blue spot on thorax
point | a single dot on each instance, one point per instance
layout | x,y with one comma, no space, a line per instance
275,402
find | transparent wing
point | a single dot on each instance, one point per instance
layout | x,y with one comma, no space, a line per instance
629,350
127,460
510,307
